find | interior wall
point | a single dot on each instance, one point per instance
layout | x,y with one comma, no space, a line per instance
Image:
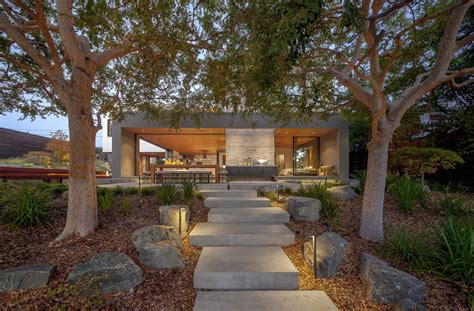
330,150
288,152
253,143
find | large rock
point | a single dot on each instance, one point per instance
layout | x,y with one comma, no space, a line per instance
25,277
343,193
169,216
158,247
354,183
329,254
110,272
301,208
386,284
409,305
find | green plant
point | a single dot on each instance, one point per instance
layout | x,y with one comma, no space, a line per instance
407,246
451,206
28,208
166,194
188,191
105,200
270,195
408,192
147,191
84,292
361,176
453,258
55,189
118,190
124,206
131,190
328,202
416,161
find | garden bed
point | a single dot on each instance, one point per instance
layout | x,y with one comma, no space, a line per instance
172,289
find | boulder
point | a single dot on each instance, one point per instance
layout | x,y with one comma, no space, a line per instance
169,216
25,277
409,305
354,183
110,272
343,193
329,254
301,208
386,284
158,247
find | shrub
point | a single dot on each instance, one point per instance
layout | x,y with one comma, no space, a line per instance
451,206
118,190
124,206
188,191
408,192
416,161
166,194
105,200
28,208
147,191
55,189
453,258
361,176
328,202
406,246
131,190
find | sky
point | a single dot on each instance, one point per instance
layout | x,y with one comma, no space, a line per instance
39,126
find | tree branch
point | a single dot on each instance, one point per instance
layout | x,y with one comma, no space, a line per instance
391,10
463,42
104,57
42,23
455,85
359,92
66,29
21,40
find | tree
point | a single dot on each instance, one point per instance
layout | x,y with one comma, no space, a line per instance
89,58
296,58
59,146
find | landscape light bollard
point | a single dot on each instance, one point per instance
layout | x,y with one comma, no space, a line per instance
278,192
314,256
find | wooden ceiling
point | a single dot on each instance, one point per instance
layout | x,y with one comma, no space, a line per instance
186,141
284,136
192,141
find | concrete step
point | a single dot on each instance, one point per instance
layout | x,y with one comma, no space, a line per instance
248,215
263,301
224,202
229,193
245,268
240,234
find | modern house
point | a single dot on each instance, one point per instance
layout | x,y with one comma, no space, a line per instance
253,147
15,144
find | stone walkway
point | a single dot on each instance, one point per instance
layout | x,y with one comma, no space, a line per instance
242,265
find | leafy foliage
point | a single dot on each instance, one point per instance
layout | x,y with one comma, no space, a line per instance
453,257
328,202
124,206
452,206
28,208
131,190
419,161
104,200
448,253
147,191
361,176
409,193
166,194
406,246
189,191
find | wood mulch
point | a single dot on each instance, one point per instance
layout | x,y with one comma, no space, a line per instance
345,288
172,289
164,289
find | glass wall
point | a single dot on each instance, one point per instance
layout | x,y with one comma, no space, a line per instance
306,155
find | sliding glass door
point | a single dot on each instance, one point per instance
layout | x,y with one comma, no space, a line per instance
306,155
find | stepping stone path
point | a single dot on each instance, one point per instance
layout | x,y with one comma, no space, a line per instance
242,262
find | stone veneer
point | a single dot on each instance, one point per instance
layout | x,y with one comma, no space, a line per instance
254,143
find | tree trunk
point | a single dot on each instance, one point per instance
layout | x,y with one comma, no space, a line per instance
371,227
82,197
